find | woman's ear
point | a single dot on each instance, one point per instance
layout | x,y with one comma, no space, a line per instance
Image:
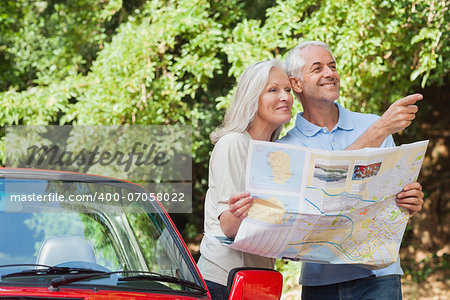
296,84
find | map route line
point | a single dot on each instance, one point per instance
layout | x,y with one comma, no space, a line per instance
357,197
344,216
339,246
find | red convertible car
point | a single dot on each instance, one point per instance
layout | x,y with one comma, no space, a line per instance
58,241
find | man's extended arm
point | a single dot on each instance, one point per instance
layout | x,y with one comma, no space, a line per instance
397,117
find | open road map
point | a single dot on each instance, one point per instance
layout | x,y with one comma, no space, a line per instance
327,206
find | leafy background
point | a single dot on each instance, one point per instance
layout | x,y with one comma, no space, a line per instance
103,62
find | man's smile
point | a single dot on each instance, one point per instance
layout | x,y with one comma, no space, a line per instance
332,83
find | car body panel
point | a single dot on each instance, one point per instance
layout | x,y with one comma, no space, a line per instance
87,294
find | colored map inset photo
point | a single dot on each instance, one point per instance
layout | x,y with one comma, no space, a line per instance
361,172
330,175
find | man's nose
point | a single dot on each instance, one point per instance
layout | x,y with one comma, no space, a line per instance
327,71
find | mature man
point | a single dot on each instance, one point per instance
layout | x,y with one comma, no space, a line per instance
324,124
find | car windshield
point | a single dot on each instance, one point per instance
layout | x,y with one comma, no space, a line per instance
118,233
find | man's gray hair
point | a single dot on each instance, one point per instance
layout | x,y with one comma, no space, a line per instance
244,107
295,61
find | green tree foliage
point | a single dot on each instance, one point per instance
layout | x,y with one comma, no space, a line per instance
45,41
176,61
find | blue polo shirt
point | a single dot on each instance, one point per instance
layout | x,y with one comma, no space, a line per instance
348,129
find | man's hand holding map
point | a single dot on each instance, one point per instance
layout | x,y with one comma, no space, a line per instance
327,206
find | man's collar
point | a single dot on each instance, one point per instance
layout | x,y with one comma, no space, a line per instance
309,129
306,127
345,120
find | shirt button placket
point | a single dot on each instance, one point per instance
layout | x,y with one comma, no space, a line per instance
330,141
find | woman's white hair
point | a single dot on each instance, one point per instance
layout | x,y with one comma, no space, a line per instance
242,111
294,60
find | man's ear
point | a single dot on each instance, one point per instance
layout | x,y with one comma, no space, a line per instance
296,84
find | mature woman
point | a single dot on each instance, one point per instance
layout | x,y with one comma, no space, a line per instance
261,106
